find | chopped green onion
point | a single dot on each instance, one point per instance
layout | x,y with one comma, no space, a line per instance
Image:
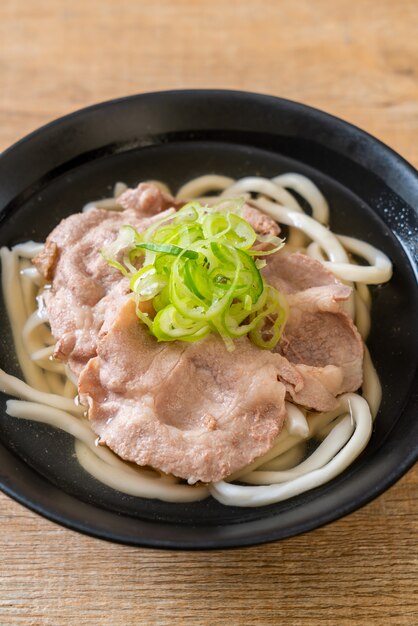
200,274
168,249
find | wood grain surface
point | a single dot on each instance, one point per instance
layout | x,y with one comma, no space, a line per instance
357,60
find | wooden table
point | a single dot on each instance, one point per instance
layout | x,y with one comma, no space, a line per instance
356,60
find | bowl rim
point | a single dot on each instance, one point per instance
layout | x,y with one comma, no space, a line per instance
404,462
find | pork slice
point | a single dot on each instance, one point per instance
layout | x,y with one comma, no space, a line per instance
319,339
85,290
76,326
312,387
194,410
262,223
319,333
148,199
320,388
46,260
292,273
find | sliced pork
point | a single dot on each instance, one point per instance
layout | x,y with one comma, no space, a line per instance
191,409
262,223
320,339
147,199
85,291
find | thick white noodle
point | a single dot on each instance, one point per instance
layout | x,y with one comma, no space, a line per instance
336,439
42,353
16,313
161,186
70,390
34,322
119,188
309,191
40,345
51,365
295,421
28,291
364,293
325,430
380,270
135,481
295,239
108,204
137,485
71,376
319,233
202,185
33,275
55,382
372,388
314,251
265,187
254,184
16,387
249,496
287,460
362,316
285,441
75,426
28,249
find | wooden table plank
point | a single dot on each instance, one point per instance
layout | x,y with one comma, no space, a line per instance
356,60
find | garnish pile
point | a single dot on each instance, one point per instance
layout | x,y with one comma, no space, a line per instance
200,274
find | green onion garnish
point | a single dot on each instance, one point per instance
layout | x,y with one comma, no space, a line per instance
200,273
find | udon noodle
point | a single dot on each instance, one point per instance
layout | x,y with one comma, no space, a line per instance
312,448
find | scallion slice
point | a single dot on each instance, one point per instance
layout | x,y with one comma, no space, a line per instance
200,272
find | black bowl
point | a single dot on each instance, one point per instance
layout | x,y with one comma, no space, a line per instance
174,136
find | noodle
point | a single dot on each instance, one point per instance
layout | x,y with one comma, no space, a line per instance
147,484
238,495
288,459
284,471
305,188
332,444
